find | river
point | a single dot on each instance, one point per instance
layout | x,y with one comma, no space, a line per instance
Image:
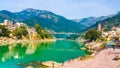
59,51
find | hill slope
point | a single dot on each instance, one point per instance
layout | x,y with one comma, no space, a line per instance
108,23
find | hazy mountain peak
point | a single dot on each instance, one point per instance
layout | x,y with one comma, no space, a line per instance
5,12
89,21
118,12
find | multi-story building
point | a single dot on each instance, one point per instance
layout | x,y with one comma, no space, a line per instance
32,33
8,24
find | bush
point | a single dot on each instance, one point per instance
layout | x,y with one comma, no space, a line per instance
4,31
92,34
38,28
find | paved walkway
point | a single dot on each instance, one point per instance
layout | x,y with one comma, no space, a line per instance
104,59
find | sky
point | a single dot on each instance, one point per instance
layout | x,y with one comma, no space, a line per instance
72,9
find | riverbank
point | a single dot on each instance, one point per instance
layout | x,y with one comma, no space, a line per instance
5,40
104,59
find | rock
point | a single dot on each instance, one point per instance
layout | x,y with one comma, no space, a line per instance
117,57
29,67
51,63
83,48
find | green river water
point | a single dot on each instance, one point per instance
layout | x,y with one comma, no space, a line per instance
59,51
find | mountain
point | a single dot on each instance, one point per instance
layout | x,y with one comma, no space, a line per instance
4,14
46,19
108,23
90,20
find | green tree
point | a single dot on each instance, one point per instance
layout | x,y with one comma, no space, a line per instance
92,34
20,31
42,33
38,28
47,34
4,31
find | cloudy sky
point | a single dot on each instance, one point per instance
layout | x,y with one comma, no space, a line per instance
71,9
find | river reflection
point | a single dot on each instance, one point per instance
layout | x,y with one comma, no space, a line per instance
19,50
59,51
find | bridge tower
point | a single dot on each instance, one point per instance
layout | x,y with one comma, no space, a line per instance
99,27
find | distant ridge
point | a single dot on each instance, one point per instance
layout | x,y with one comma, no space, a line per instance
57,23
108,23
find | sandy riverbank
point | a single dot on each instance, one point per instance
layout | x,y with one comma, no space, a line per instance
5,41
104,59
